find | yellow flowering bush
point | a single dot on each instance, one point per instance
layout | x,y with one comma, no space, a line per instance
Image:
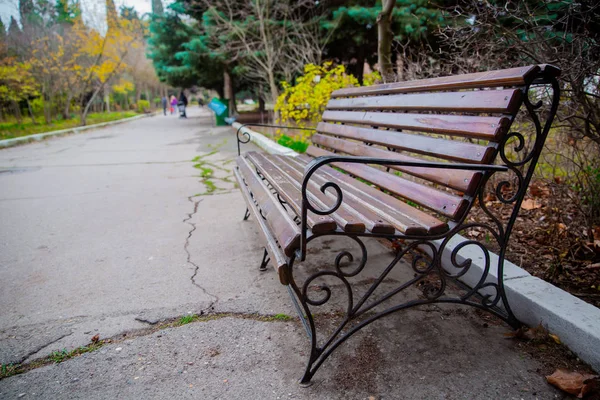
304,103
372,78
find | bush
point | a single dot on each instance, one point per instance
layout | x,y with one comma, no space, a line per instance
305,102
143,106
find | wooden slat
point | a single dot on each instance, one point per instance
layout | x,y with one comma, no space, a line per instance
407,219
447,149
351,208
489,128
284,229
486,101
507,77
441,202
455,179
278,259
290,192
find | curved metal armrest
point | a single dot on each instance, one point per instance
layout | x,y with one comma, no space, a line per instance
318,162
246,135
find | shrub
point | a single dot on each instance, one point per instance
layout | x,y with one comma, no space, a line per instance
304,103
143,106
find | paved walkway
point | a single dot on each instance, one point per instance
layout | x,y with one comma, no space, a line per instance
111,231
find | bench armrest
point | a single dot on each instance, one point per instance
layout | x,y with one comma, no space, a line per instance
245,135
318,162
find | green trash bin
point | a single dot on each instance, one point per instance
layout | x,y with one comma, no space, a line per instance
220,109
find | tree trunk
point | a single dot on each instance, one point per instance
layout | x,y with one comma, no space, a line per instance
17,111
274,93
107,98
228,92
86,109
384,44
31,112
67,109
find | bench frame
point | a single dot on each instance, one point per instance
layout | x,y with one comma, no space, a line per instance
487,294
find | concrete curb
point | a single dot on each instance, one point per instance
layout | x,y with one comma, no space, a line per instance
264,142
40,136
533,300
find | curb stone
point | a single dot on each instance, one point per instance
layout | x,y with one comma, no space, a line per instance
533,300
40,136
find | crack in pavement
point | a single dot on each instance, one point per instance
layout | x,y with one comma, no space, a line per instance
189,255
42,347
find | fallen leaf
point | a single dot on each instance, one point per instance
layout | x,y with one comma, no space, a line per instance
530,204
590,386
554,337
557,179
570,382
95,338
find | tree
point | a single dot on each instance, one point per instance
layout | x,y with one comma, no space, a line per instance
261,34
354,39
384,40
157,8
67,11
2,32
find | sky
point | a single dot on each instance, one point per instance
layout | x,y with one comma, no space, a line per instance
10,7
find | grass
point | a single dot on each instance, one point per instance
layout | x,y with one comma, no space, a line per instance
59,356
187,319
13,129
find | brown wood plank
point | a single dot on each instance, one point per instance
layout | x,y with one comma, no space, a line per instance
441,148
455,179
485,101
508,77
441,202
278,259
407,219
348,219
489,128
351,206
284,229
291,193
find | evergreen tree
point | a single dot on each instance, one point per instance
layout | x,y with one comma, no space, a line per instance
129,13
67,11
2,31
26,9
157,8
352,29
13,29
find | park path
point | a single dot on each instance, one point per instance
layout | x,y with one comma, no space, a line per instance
111,231
93,234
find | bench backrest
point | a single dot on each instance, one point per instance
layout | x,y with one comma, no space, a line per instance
461,118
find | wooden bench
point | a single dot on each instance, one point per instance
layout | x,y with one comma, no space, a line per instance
403,161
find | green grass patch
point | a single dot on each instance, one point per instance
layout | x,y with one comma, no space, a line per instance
187,319
210,185
9,130
299,146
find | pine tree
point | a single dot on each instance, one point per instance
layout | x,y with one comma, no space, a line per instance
2,31
67,11
27,13
157,8
13,29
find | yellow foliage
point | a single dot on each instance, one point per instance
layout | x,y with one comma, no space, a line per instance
16,82
372,78
304,103
123,87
